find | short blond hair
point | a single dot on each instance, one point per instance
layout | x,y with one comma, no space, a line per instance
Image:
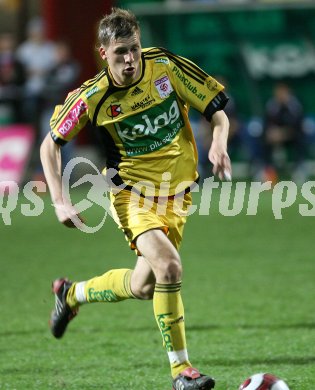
120,23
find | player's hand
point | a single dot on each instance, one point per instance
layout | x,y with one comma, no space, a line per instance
68,215
220,159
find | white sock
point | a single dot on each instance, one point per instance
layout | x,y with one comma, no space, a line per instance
178,356
79,292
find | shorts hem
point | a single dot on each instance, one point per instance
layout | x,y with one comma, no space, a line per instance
133,245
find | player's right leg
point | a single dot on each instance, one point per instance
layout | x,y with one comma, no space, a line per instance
142,281
113,286
63,313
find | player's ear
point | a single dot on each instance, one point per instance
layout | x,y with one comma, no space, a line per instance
102,52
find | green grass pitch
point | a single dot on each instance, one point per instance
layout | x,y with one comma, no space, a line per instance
248,290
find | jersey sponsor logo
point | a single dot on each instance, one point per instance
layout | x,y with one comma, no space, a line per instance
145,133
144,103
136,91
72,118
114,110
164,87
162,61
192,88
92,91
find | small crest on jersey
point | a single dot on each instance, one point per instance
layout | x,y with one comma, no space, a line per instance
164,87
114,110
162,61
212,84
136,91
92,91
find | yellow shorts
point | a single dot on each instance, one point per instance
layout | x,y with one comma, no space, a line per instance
135,215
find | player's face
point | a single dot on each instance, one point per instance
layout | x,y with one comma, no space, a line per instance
123,56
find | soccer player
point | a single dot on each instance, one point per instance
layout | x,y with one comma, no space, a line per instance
140,103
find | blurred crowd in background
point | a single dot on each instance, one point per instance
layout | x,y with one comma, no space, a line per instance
271,147
35,76
38,73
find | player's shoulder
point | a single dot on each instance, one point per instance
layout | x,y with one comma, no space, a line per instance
92,88
157,55
162,56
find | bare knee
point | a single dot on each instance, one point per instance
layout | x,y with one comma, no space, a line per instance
169,270
162,256
144,292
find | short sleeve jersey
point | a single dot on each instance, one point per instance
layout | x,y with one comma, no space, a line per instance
148,137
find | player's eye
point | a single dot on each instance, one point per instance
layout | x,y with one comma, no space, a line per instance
135,49
121,51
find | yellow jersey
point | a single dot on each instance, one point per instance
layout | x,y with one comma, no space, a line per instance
145,125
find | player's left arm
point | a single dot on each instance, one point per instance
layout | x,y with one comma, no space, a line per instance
206,95
194,86
218,154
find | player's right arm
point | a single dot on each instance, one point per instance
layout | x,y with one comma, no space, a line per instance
50,155
66,122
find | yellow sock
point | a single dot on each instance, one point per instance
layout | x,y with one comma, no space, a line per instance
113,286
169,314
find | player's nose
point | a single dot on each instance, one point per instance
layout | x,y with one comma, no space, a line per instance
129,57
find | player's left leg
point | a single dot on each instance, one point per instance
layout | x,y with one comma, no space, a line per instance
167,302
169,309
